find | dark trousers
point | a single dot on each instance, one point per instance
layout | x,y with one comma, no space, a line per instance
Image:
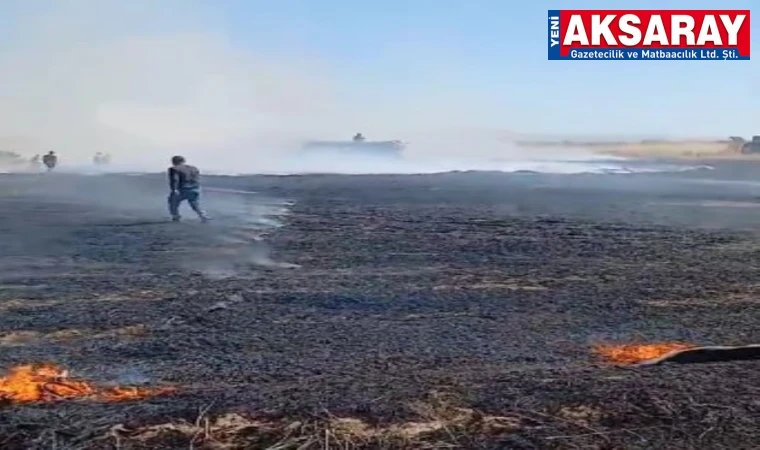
193,199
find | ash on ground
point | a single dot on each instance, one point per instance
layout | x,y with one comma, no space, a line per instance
490,288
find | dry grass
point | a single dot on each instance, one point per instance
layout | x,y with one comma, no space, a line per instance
486,281
737,299
438,423
24,303
670,149
27,337
583,415
710,204
712,149
490,286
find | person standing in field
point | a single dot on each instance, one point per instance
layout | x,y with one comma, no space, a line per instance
184,183
50,160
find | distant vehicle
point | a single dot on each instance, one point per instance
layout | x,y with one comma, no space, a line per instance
752,146
101,159
358,146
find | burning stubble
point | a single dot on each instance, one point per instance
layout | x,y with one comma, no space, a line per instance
49,383
637,353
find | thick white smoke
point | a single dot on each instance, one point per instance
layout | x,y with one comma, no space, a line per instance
145,79
106,75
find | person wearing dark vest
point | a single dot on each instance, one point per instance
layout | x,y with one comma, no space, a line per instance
50,160
184,182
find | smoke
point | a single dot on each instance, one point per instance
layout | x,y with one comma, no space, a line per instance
141,79
145,79
115,208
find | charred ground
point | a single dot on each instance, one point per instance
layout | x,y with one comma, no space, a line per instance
476,295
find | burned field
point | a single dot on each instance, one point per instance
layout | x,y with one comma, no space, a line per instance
375,312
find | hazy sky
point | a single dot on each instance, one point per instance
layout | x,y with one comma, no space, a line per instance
489,56
172,73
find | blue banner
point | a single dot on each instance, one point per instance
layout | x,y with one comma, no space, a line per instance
554,33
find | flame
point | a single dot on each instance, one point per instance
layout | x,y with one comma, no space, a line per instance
47,382
633,353
120,394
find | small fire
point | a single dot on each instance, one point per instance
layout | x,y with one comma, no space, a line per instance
632,353
119,394
47,383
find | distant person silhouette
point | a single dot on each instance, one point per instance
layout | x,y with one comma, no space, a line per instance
184,183
101,159
50,160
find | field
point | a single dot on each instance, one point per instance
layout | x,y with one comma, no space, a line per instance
457,310
664,149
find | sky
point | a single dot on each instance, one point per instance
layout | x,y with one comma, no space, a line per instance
160,74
